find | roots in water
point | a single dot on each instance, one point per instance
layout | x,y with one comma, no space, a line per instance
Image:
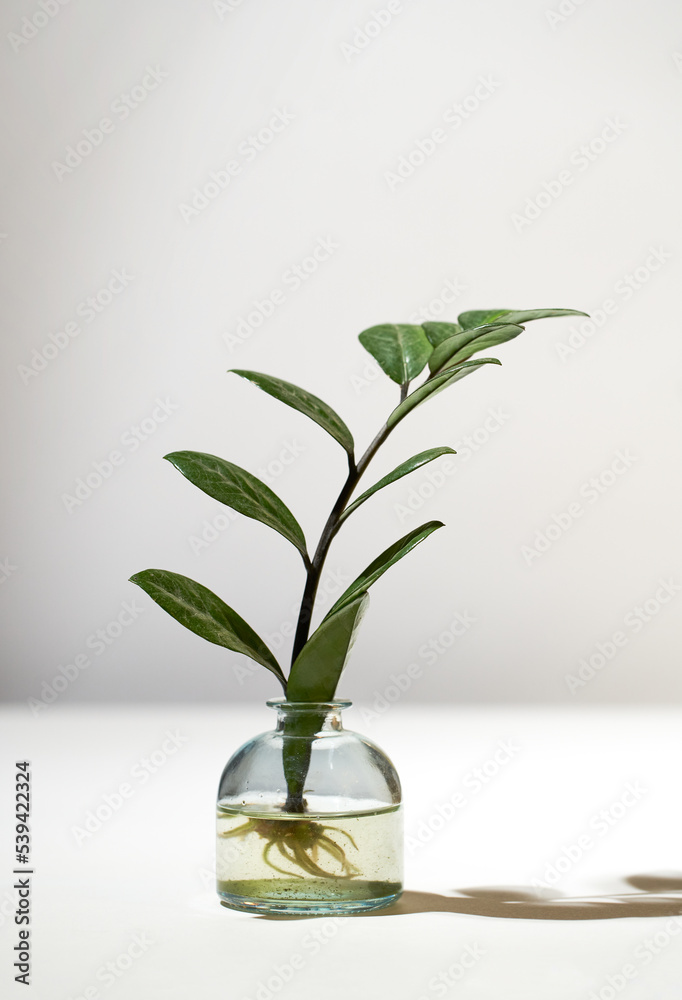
300,842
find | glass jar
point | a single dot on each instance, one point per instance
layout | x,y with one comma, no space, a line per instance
309,818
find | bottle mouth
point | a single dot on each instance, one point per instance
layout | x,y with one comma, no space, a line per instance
335,704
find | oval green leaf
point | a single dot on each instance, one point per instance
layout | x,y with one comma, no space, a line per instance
402,470
434,385
316,670
204,613
436,333
463,345
383,562
525,316
400,349
479,317
303,401
237,488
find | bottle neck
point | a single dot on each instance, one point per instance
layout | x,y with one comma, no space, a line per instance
308,716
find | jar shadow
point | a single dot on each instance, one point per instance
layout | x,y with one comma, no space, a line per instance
661,896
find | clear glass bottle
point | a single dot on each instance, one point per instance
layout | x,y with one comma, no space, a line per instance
309,818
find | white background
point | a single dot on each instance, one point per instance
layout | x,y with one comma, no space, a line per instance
556,83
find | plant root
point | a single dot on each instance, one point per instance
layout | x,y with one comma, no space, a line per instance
301,843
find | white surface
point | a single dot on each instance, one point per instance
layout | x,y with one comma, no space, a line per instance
148,869
229,64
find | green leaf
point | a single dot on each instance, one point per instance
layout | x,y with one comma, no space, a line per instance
434,386
463,345
237,488
383,562
317,668
402,470
303,401
203,612
529,314
479,317
436,333
400,349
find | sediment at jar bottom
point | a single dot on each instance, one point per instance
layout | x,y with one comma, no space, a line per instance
313,890
311,856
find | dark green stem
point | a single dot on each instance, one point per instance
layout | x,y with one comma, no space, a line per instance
299,733
333,524
297,754
328,532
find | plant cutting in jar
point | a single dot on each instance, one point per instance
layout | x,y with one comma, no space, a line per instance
292,845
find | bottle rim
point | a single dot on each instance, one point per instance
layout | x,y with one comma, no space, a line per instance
334,704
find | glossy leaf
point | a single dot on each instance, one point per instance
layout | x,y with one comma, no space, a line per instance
479,317
400,349
436,333
383,562
463,345
203,612
237,488
303,401
402,470
434,386
525,316
316,670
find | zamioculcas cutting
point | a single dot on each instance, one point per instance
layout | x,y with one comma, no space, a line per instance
292,841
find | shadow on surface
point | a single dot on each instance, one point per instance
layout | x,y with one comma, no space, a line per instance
541,904
526,904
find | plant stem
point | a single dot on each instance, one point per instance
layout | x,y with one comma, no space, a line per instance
314,570
297,762
297,757
328,532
